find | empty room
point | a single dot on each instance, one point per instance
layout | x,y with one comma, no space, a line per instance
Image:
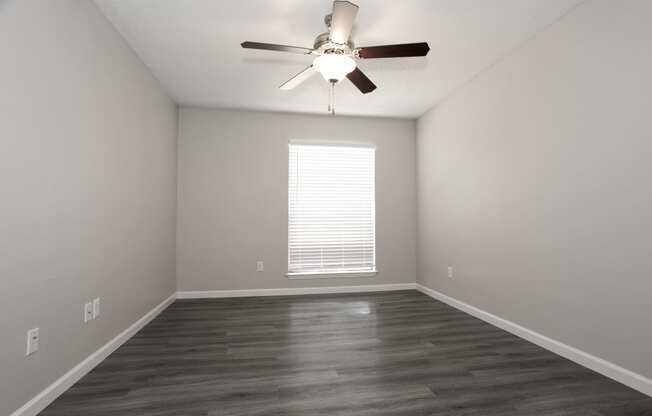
318,207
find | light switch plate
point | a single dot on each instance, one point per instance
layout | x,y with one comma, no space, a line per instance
260,266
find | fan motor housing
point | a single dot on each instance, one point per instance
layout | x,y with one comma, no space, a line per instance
323,43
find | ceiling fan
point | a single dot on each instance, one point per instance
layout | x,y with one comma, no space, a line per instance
336,53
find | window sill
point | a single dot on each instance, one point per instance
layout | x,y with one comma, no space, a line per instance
329,275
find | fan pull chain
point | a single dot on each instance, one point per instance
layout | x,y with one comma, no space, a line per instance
331,99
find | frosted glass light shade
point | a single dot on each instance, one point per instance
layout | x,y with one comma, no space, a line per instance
334,67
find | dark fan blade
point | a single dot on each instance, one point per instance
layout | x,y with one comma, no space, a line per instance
360,80
342,21
394,51
275,47
298,78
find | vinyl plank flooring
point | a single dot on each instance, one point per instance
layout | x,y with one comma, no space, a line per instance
364,354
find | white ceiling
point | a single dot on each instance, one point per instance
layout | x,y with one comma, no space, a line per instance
193,48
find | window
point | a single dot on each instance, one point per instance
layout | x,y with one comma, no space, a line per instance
331,209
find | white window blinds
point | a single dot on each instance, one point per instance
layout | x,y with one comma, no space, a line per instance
332,211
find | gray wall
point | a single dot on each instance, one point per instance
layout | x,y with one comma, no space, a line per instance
87,189
534,184
233,178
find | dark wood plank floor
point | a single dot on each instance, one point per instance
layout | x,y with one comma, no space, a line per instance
392,353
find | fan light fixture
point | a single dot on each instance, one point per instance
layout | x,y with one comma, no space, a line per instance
336,54
333,67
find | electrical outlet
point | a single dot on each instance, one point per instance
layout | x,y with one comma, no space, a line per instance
260,266
450,272
32,341
88,311
96,307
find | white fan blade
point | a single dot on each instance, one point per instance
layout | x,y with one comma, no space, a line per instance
298,78
344,13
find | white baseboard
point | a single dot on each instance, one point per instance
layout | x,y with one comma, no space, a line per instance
597,364
63,383
292,291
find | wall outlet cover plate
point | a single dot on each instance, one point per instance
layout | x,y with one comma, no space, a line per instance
32,341
96,307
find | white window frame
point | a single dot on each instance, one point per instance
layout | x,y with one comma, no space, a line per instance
333,274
